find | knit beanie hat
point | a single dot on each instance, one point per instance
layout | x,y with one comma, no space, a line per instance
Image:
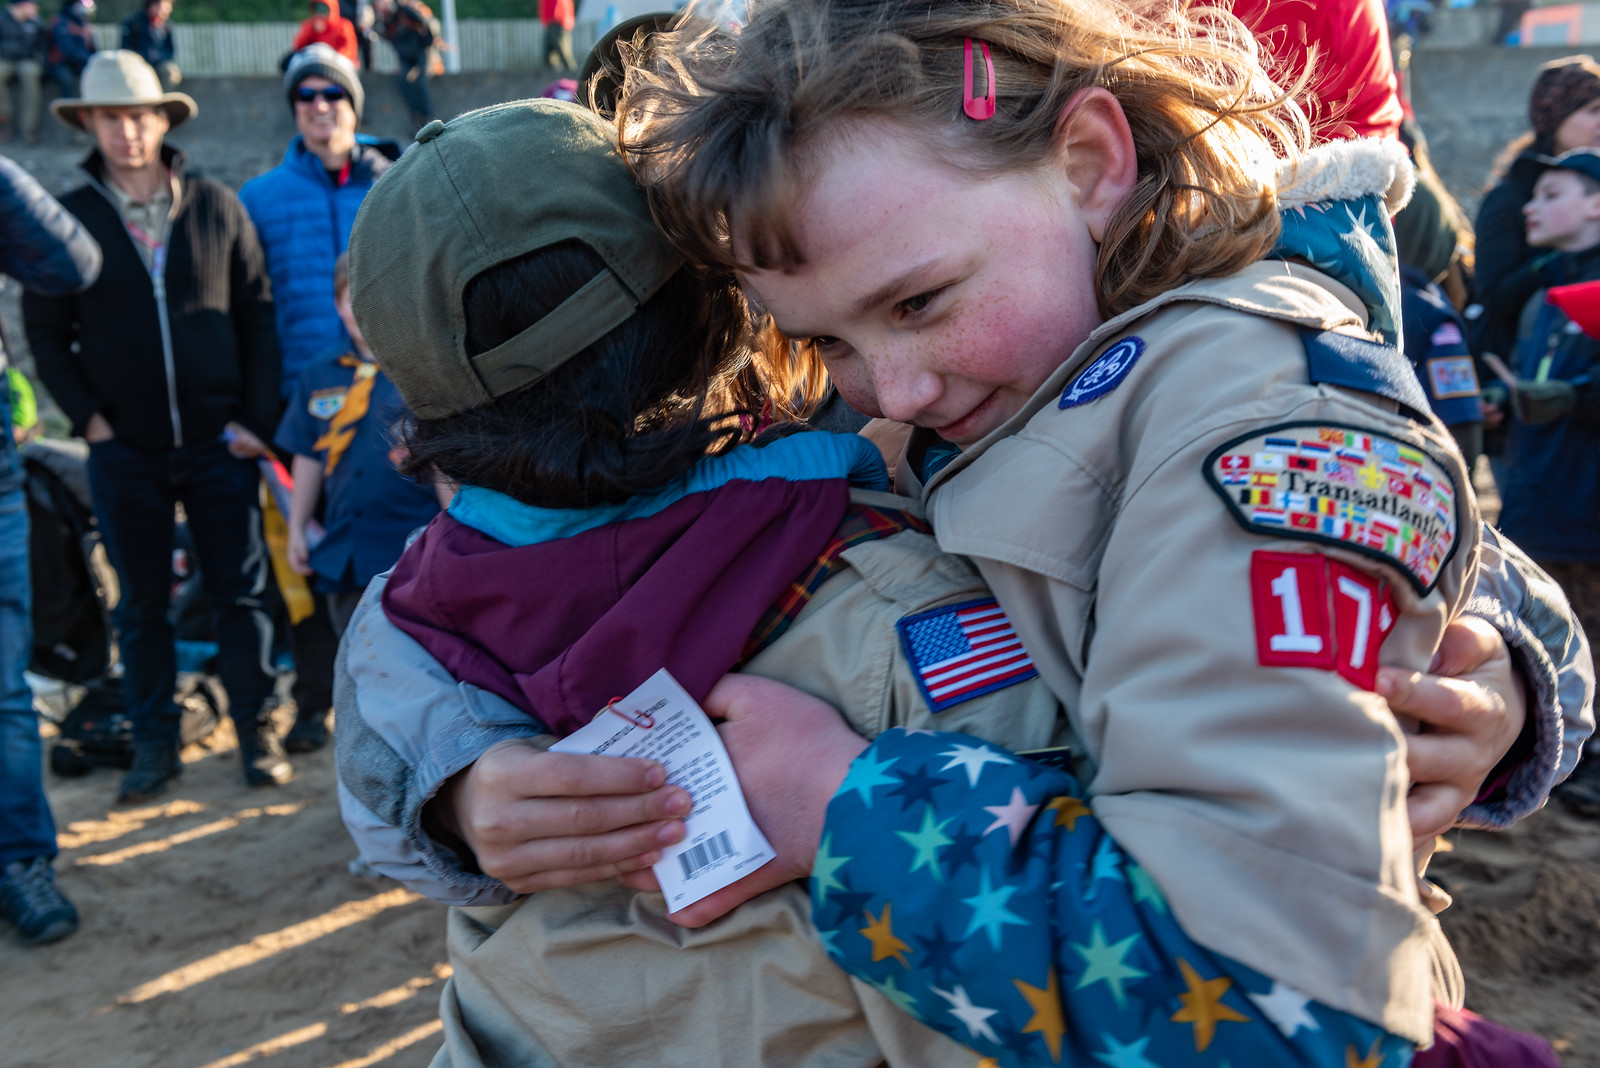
1562,87
323,61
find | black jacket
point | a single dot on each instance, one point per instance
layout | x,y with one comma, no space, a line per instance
21,40
153,45
222,363
1508,271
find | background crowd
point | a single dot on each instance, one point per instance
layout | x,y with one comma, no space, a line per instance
243,300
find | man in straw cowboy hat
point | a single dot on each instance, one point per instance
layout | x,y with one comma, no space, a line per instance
168,366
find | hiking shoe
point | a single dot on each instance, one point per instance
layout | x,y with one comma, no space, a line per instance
29,898
264,761
307,735
155,765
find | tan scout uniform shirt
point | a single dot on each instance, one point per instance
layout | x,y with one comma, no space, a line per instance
1267,801
596,975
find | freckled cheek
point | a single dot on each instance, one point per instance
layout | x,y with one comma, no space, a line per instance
855,386
999,345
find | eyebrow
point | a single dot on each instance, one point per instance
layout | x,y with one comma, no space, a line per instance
916,275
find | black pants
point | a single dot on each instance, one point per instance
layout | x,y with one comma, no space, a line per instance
135,493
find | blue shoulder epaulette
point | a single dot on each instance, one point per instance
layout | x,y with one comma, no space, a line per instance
1371,366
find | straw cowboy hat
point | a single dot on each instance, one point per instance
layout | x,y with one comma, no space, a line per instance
121,79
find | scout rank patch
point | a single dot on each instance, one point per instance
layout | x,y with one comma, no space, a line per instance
325,403
1343,486
961,651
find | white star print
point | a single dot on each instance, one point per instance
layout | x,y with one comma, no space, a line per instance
1013,816
975,1017
973,758
1286,1007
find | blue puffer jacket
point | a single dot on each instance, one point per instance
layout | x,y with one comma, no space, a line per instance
304,221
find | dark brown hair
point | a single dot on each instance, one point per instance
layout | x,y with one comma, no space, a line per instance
674,383
716,122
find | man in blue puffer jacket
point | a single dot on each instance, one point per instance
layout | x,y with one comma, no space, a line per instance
303,210
304,207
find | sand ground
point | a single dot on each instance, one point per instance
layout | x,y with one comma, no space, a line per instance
222,927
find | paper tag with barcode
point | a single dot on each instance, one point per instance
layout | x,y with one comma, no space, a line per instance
660,721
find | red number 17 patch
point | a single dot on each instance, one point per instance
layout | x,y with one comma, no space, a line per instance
1319,613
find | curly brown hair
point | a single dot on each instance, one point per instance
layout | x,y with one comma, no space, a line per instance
716,120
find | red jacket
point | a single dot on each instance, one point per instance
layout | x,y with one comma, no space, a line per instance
1353,92
337,32
563,12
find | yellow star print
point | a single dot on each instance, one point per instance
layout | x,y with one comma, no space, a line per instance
1067,810
1203,1007
882,937
1373,1059
1046,1005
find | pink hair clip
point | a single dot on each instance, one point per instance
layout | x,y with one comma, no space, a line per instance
975,107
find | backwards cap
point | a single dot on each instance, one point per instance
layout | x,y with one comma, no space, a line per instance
480,190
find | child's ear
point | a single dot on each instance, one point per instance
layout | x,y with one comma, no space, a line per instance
1094,145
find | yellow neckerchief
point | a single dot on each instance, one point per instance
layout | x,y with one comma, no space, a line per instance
342,427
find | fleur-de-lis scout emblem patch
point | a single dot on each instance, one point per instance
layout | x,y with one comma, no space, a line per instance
1345,486
1104,374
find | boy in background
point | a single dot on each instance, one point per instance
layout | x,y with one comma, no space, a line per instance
1551,496
339,427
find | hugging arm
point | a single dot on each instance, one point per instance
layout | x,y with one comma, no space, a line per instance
446,787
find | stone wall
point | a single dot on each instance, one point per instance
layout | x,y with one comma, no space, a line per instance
1470,102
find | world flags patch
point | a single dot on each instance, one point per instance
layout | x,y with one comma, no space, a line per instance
1342,485
961,651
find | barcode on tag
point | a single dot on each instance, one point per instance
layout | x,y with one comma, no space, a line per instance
702,856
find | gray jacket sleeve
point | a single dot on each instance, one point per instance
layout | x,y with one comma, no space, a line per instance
1532,614
404,728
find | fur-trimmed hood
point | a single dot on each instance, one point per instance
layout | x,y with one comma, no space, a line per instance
1348,170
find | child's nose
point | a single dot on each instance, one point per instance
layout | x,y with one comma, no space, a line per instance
904,388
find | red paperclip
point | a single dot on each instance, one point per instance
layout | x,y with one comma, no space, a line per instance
976,108
639,719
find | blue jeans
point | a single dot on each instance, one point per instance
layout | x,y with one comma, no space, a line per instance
134,493
26,827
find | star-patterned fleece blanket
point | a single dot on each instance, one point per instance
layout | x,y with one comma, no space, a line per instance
975,889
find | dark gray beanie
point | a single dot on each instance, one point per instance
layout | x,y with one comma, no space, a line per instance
322,61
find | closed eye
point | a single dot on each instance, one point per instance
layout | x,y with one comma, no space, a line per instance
912,305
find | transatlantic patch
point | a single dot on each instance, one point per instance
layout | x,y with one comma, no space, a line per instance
1344,486
1314,612
1452,376
325,403
964,650
1104,374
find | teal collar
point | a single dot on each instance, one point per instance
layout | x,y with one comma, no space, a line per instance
798,458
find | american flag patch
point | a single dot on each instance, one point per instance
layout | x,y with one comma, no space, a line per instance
964,650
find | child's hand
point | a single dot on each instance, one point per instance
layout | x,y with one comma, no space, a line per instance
299,555
1472,712
242,443
537,820
791,752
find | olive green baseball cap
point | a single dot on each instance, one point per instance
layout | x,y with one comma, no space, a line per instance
474,192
